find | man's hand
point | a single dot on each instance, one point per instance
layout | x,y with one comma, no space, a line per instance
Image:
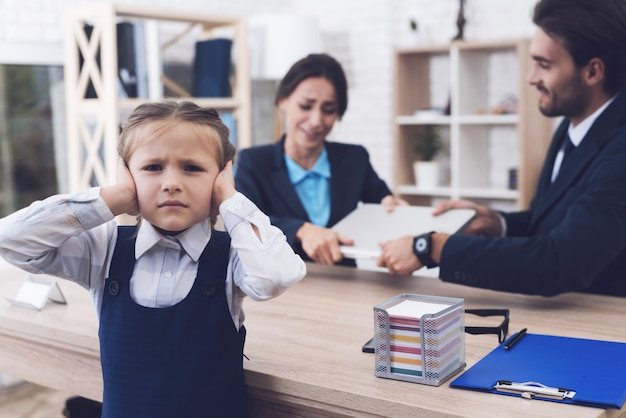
397,255
322,244
487,222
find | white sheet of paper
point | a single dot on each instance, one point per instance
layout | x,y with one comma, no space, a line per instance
415,309
370,224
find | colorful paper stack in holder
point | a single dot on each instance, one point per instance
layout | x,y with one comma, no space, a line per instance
419,338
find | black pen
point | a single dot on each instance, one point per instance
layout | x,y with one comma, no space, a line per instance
515,339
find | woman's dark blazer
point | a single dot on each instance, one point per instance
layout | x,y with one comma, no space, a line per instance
261,175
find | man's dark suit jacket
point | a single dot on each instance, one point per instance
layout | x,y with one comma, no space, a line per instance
261,175
573,238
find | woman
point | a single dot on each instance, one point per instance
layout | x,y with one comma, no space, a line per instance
304,182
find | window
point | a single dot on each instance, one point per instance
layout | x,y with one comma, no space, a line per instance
32,125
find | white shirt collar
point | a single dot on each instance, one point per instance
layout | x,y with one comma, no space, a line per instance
577,133
193,240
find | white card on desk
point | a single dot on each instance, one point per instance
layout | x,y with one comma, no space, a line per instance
36,291
370,224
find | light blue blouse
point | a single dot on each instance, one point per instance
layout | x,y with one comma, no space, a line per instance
312,187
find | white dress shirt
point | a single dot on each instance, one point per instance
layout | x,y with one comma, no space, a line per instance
577,133
73,236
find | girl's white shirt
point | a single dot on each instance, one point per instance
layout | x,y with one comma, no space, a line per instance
73,236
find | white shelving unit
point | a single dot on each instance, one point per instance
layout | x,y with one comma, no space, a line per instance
93,124
472,79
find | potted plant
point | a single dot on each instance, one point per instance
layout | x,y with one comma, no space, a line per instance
428,145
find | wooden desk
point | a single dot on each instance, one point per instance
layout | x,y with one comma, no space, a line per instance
305,346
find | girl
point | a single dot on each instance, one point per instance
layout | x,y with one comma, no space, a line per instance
169,291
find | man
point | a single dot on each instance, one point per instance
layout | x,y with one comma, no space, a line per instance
573,237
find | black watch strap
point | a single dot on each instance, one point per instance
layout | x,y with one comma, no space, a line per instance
422,248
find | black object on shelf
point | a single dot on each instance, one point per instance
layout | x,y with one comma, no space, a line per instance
211,68
126,59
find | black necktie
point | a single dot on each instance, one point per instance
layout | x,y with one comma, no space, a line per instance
567,147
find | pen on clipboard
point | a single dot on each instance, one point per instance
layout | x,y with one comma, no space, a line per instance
515,339
530,390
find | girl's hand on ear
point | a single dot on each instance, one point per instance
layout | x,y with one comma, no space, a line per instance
121,197
223,188
125,178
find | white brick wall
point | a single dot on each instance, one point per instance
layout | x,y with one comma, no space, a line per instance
360,33
375,28
368,63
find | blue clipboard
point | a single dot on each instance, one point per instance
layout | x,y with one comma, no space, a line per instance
559,369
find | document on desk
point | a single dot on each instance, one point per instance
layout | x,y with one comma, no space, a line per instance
560,369
370,224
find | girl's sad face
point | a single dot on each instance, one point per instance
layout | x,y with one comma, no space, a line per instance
174,171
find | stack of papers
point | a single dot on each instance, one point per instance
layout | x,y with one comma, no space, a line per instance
442,338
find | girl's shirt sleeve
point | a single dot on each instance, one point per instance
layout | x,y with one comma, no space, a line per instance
262,268
64,235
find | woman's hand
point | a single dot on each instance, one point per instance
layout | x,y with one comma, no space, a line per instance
390,202
322,244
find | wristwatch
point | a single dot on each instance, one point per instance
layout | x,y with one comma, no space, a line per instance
422,247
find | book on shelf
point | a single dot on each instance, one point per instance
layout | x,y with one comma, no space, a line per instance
127,59
212,68
132,61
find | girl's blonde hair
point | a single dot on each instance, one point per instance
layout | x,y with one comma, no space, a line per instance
149,118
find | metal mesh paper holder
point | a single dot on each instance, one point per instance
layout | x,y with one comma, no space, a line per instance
426,348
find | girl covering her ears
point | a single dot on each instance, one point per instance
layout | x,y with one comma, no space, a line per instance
168,291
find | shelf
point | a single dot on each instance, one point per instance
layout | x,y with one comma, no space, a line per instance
467,78
469,193
154,13
412,189
419,120
226,103
409,120
488,119
489,193
93,124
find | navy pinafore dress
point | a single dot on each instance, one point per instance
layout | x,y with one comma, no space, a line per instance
185,360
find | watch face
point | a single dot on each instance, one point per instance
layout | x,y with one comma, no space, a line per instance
420,245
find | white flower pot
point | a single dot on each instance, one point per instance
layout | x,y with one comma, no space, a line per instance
426,174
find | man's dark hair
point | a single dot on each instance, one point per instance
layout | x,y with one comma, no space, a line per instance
589,29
